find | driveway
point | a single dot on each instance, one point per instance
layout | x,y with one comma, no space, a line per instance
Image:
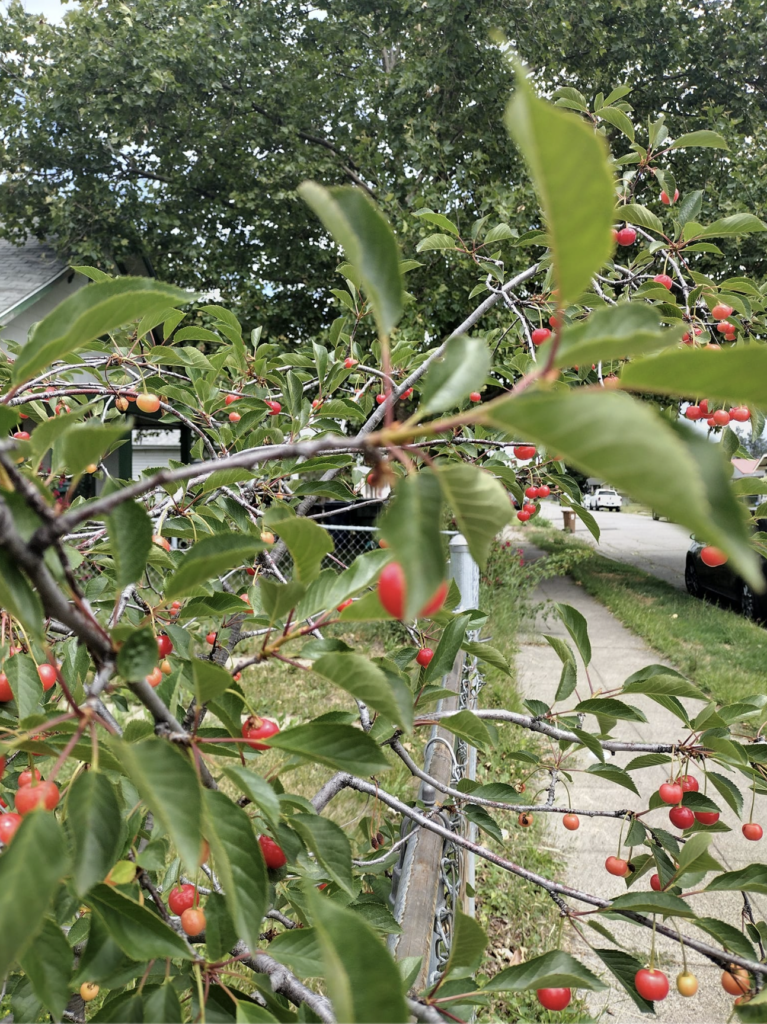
657,547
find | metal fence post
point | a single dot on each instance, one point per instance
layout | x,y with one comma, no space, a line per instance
431,877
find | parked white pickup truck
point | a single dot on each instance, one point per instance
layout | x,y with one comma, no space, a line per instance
605,498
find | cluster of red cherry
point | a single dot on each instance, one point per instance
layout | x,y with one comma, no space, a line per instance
234,417
717,417
33,792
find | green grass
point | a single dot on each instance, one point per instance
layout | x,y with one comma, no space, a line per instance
718,649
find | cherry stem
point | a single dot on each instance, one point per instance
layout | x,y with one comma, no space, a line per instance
652,945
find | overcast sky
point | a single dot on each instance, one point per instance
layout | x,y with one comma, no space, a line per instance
52,9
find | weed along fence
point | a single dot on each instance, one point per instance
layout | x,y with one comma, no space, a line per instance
433,877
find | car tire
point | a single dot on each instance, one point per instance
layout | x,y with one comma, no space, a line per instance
691,580
750,606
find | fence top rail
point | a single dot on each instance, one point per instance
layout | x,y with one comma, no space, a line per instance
372,529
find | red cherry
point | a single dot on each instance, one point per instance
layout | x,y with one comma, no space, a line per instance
380,399
181,898
406,394
524,452
665,199
707,817
8,825
45,794
529,508
554,322
655,883
2,770
721,311
193,921
736,981
617,866
626,236
6,693
349,362
164,645
22,435
231,398
424,656
704,406
250,570
234,417
345,604
391,593
571,822
671,793
740,413
692,412
540,335
721,418
211,638
711,422
651,985
554,998
663,279
275,409
688,783
274,855
523,516
47,675
175,608
724,328
23,416
751,830
475,397
681,817
255,729
26,776
525,819
531,492
544,491
155,676
712,556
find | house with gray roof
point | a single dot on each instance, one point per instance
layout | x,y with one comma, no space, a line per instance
33,280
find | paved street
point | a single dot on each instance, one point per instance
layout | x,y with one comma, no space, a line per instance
657,547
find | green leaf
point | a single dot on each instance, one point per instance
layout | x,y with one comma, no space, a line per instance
569,167
461,370
95,819
138,932
306,541
362,979
357,225
732,939
448,647
702,139
329,844
467,726
17,597
694,855
436,242
633,213
138,656
480,817
89,313
665,687
439,219
479,502
257,789
85,443
727,789
652,903
647,761
365,681
411,528
490,655
209,558
629,329
750,879
162,1003
341,747
210,680
467,947
33,864
130,540
612,773
618,119
737,224
168,784
613,437
25,684
239,864
48,965
555,969
611,707
576,625
299,949
331,588
277,599
730,375
625,967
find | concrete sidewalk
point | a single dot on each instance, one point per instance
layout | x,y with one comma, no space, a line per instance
616,654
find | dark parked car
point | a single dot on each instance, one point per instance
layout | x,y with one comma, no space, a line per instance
723,581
